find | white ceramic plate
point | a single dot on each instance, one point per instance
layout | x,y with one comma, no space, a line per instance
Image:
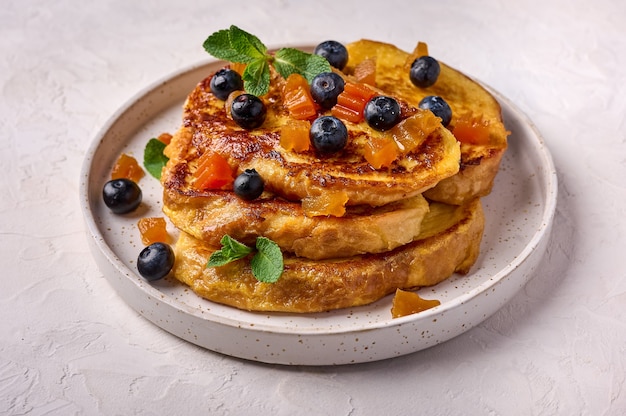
519,216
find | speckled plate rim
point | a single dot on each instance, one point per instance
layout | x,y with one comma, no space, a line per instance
549,180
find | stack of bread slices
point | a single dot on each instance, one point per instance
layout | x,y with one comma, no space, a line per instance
411,224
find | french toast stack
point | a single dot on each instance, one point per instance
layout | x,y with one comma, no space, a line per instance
350,233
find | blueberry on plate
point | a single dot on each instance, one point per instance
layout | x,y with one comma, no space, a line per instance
325,88
155,261
424,71
438,106
328,134
382,112
121,195
248,185
335,53
248,111
224,82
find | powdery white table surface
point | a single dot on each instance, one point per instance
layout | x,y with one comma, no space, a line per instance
69,345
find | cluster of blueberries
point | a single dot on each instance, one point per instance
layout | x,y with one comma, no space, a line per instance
122,196
328,134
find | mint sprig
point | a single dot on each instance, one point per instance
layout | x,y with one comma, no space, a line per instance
289,60
153,157
266,264
236,45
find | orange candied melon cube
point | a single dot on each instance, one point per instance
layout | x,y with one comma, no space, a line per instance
410,132
380,151
213,172
295,135
327,203
351,102
471,130
153,230
127,167
407,303
297,98
165,138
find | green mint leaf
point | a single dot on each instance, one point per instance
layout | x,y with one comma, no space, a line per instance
267,264
256,77
218,258
246,43
231,250
219,45
234,248
288,61
153,157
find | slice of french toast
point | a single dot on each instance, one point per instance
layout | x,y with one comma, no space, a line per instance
476,115
448,242
306,174
362,229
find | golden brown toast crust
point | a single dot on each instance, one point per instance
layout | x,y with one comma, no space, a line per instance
467,99
449,242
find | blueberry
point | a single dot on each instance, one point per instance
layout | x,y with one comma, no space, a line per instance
438,106
248,185
121,195
424,71
325,88
224,82
248,111
335,53
328,134
382,112
155,261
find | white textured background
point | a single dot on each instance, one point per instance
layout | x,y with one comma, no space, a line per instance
69,345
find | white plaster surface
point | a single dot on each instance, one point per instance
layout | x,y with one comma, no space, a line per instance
69,345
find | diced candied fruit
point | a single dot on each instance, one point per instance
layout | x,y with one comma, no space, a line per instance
471,130
421,49
380,151
347,114
213,172
295,135
165,138
410,132
328,203
406,303
153,230
365,71
297,98
351,102
127,167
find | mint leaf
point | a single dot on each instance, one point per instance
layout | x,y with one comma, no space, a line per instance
235,45
256,77
234,248
219,45
288,61
267,264
218,258
246,44
231,250
153,157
